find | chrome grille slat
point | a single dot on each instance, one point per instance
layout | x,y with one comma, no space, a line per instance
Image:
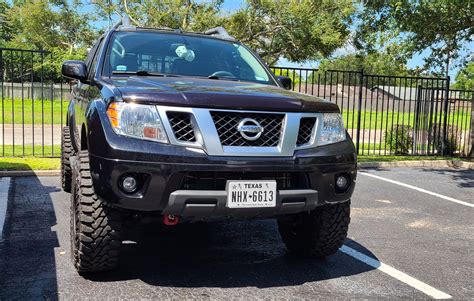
226,123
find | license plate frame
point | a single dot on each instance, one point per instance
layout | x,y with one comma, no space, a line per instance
251,194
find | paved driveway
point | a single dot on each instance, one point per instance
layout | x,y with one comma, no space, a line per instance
403,243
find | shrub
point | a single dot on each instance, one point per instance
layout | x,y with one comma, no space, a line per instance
399,139
452,140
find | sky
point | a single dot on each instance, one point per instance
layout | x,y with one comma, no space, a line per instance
232,5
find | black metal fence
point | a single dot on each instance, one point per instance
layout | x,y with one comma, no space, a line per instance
383,114
33,104
394,115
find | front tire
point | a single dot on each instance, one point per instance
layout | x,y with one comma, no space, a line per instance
66,153
318,233
95,227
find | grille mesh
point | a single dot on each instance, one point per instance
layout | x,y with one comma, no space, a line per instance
305,131
227,122
182,126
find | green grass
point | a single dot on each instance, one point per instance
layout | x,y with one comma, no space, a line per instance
49,112
375,158
29,163
46,111
49,151
378,120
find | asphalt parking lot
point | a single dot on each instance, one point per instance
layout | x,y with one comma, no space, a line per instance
411,236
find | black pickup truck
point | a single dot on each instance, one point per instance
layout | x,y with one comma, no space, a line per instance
190,127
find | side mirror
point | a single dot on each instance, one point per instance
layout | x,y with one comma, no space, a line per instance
285,82
75,70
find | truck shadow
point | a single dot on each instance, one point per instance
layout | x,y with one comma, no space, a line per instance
225,255
27,256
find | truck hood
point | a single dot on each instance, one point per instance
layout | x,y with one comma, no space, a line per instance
216,94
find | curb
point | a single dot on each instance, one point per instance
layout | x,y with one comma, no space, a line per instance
421,163
28,173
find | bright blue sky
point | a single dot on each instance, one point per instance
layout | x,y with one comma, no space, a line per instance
415,61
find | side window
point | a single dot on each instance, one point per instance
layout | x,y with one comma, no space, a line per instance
92,58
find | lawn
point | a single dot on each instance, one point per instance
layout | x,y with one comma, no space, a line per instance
29,163
383,120
29,150
392,158
46,111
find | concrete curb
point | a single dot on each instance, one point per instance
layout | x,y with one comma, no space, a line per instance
421,163
28,173
362,165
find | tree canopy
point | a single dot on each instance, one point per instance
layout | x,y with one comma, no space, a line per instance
465,78
296,30
56,26
188,15
442,26
385,33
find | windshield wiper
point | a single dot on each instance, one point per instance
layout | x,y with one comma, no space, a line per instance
224,78
145,73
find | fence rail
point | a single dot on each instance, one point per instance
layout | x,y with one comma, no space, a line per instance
384,115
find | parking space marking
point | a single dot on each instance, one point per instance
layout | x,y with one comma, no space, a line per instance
419,189
4,188
399,275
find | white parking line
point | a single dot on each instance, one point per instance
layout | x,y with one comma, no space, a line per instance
4,188
419,189
399,275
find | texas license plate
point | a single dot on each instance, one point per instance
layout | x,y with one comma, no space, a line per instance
251,194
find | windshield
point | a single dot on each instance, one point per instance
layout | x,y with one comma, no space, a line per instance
180,54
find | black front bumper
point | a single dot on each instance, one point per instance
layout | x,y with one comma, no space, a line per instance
308,181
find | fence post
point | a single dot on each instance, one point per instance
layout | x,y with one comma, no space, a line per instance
359,111
471,153
445,117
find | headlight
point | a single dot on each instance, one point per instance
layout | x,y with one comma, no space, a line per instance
332,129
135,120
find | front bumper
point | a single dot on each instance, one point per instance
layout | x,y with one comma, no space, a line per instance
165,189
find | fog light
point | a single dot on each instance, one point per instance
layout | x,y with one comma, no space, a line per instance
129,184
342,182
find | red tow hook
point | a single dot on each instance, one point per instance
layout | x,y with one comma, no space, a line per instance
170,220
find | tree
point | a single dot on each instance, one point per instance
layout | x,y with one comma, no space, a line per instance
297,30
189,15
465,78
442,26
55,26
5,27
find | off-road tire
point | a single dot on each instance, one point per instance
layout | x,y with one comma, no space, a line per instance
66,153
319,233
95,227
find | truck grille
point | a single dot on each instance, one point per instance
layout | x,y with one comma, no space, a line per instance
182,126
305,130
226,124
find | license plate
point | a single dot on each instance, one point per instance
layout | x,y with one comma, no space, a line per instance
251,194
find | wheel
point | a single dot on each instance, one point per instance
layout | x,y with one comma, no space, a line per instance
66,153
318,233
95,227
